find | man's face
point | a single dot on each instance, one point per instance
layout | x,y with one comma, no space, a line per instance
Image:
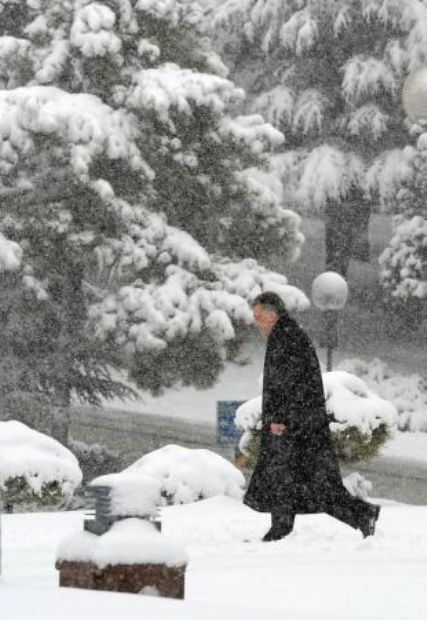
264,319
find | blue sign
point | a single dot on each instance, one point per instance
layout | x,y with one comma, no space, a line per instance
227,433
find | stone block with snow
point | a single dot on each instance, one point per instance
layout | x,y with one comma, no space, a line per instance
117,496
132,556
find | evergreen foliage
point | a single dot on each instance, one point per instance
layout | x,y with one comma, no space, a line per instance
329,75
126,183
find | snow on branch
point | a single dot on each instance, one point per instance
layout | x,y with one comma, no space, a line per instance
168,86
92,31
251,131
387,173
267,199
10,254
416,43
366,76
149,243
13,52
309,112
276,105
397,56
367,120
328,174
174,11
403,262
389,12
343,20
299,33
86,127
149,316
53,64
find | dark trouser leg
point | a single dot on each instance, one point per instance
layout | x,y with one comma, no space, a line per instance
282,524
350,510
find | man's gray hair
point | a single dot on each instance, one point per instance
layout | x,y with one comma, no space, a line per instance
270,301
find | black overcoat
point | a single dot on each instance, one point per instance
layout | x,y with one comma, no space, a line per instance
298,470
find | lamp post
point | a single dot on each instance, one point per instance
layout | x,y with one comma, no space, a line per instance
329,293
414,95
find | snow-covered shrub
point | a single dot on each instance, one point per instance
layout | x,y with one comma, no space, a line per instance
360,420
186,475
35,470
408,393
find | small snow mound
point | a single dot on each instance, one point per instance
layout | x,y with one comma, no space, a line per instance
188,475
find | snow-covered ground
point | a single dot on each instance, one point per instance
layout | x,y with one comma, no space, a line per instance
324,570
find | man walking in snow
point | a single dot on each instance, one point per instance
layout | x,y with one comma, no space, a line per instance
297,469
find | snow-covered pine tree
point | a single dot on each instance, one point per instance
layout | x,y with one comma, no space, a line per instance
127,180
329,74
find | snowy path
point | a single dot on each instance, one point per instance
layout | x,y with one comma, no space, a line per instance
324,570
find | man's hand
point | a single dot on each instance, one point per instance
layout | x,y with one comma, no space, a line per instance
277,429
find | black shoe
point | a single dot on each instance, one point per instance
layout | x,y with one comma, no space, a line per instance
273,535
368,525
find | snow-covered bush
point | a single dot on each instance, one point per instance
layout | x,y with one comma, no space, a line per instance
186,475
408,393
35,470
360,420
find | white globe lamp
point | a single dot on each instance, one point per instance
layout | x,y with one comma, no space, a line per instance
329,293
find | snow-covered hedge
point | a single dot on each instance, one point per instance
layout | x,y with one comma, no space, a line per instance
408,393
185,475
360,420
35,470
